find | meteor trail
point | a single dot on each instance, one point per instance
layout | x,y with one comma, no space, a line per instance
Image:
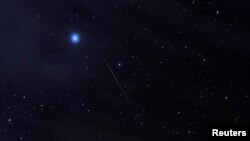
119,84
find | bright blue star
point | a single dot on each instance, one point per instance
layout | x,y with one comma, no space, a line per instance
75,38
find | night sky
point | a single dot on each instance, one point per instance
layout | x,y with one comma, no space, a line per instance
122,70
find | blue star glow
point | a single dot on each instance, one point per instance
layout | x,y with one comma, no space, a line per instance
75,38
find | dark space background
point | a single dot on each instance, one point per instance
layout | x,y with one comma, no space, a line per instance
184,64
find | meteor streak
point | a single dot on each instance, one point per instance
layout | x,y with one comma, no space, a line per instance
119,84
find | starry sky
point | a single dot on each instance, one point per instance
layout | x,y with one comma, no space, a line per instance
122,70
